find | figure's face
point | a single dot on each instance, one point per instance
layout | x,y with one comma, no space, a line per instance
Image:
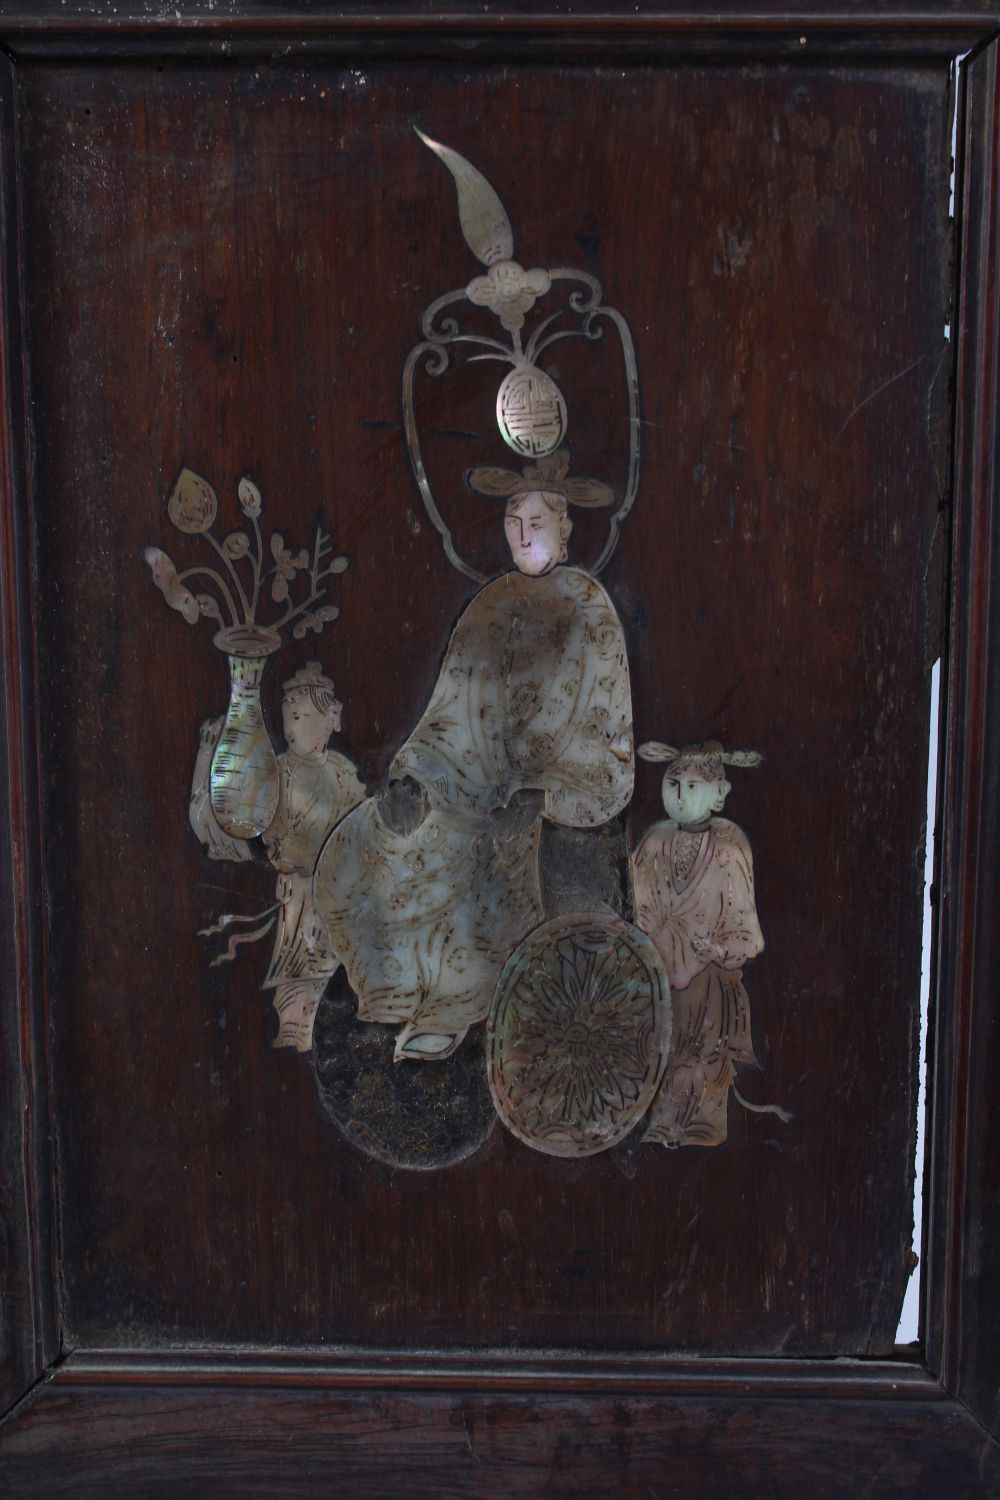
308,728
536,534
690,799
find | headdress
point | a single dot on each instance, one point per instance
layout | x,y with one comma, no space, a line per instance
531,411
547,475
704,761
309,676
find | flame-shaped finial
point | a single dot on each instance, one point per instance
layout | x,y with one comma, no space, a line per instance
484,220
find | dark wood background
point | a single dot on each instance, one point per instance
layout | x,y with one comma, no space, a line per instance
160,1418
226,267
303,1443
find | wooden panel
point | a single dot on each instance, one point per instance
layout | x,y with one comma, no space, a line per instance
227,269
520,31
259,1443
28,1338
963,1320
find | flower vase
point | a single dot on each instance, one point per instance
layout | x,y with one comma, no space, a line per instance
244,777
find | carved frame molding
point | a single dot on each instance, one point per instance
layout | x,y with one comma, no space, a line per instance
917,1426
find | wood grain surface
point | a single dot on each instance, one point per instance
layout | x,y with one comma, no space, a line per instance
519,30
218,233
227,268
964,1183
182,1444
29,1339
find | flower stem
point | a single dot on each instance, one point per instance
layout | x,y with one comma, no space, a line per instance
291,613
319,547
219,581
257,566
248,612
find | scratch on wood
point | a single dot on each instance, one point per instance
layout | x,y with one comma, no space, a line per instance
468,1438
877,392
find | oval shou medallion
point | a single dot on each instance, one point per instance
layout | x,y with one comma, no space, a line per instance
579,1034
531,412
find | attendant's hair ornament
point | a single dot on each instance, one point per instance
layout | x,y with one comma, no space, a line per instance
313,680
705,760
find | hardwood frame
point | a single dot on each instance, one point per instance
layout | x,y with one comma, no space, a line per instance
925,1424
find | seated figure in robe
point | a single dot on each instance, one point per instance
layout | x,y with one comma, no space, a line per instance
531,717
692,880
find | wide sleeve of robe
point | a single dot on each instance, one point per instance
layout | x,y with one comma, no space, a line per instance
533,693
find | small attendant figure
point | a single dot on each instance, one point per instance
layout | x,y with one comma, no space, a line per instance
692,879
317,788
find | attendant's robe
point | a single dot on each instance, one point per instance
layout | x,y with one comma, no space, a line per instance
314,793
533,694
694,896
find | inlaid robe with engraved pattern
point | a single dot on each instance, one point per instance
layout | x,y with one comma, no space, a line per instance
694,896
533,694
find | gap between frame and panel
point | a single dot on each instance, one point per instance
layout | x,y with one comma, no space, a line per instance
501,1371
962,1312
912,1316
